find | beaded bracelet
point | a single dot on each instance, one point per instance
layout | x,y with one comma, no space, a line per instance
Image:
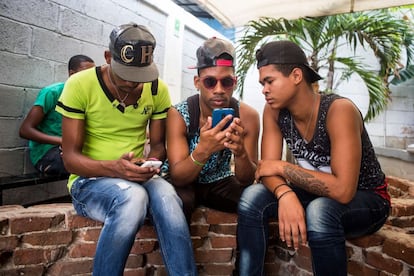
198,163
277,187
285,192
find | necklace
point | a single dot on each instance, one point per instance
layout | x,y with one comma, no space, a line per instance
292,121
121,101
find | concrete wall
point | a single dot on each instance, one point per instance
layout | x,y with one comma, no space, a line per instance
37,38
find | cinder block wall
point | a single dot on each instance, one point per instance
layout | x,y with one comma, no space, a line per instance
52,240
39,36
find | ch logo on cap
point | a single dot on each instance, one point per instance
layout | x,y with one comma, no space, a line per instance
124,51
146,54
127,54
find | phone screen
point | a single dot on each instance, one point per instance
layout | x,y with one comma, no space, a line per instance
220,113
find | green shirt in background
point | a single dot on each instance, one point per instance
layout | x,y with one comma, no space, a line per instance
52,122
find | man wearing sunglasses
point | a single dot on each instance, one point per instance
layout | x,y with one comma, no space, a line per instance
199,158
106,111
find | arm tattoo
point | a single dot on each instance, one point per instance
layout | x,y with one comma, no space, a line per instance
305,181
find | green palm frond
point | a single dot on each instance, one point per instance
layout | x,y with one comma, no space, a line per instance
380,32
404,75
378,92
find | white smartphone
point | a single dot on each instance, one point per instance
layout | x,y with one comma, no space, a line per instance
152,163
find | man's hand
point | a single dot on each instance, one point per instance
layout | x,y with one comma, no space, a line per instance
291,218
268,168
235,138
213,139
126,168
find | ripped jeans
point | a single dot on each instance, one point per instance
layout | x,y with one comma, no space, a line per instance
122,206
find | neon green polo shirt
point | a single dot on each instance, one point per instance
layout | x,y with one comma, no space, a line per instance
109,133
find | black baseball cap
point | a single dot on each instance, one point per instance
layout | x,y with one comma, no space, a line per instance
211,53
284,52
132,49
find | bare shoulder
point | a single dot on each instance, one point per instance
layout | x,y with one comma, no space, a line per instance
175,121
246,111
343,105
343,111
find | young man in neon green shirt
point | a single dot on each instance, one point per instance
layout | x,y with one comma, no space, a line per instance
106,111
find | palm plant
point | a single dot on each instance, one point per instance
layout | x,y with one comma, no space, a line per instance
380,32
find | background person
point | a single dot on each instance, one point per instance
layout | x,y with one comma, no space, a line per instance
199,155
336,190
106,111
43,125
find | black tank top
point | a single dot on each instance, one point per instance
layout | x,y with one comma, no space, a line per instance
316,154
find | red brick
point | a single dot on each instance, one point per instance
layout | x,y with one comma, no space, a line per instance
48,238
82,250
218,269
380,262
223,241
155,258
304,250
8,243
213,255
135,261
199,230
75,221
224,229
147,232
7,210
399,183
402,207
69,268
62,208
198,215
294,269
90,234
400,246
402,222
395,192
143,246
28,256
217,217
136,272
368,241
272,269
304,262
32,270
197,242
360,269
32,221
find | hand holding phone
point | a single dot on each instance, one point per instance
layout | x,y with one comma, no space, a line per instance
220,113
152,163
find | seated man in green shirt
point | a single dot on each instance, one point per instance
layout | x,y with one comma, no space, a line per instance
42,125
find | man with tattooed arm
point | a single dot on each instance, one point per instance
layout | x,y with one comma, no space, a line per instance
335,189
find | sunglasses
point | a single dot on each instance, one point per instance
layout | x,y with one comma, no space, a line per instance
211,82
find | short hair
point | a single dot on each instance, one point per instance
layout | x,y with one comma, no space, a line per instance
75,62
286,69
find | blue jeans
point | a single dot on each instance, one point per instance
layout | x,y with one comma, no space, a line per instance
328,223
122,206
